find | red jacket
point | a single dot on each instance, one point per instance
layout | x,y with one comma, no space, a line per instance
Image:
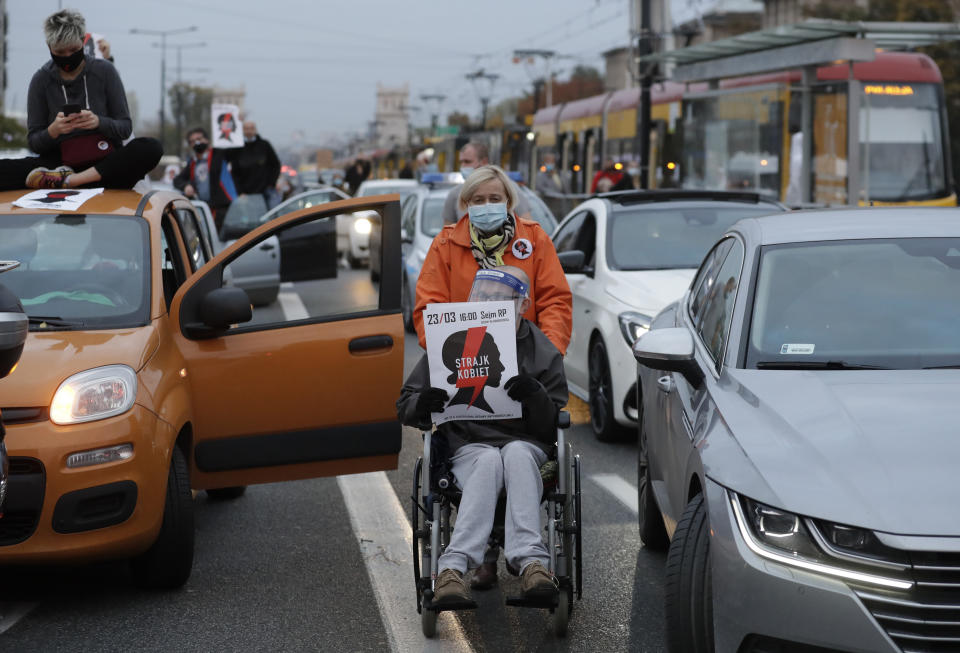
449,268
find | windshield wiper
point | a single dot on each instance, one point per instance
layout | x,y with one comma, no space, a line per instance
816,365
52,321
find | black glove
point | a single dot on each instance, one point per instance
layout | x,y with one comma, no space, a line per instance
431,400
521,387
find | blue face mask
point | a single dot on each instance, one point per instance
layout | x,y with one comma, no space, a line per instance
549,167
466,171
487,218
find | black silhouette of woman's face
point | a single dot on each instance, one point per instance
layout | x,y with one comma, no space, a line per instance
473,366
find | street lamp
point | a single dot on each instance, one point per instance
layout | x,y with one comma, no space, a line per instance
180,47
163,33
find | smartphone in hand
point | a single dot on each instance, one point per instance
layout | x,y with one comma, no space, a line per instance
70,108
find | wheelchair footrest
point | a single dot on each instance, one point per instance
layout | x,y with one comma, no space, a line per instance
428,604
534,601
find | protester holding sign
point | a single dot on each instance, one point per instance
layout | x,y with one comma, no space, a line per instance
489,455
207,175
78,120
492,235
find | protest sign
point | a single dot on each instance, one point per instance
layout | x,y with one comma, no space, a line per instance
472,351
60,199
226,126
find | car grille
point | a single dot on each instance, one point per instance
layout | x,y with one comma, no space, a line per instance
24,415
22,513
925,619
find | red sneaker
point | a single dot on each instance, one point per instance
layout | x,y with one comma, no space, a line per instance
46,178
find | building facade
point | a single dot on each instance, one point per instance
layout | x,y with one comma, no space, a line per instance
391,126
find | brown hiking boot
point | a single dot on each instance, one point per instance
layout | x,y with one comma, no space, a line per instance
537,582
450,587
46,178
485,576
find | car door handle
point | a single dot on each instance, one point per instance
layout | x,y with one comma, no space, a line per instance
267,247
367,343
665,383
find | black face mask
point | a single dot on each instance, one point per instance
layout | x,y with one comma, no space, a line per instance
199,148
70,62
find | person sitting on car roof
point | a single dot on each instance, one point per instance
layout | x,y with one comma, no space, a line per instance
78,120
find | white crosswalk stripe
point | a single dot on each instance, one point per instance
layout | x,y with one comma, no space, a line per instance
622,490
381,526
11,613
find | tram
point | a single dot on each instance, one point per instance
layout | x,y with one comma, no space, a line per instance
745,133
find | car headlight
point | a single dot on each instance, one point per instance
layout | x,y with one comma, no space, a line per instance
362,226
633,325
792,540
95,394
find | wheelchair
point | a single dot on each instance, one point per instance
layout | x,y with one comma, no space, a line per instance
435,496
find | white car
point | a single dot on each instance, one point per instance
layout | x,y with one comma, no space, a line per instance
627,255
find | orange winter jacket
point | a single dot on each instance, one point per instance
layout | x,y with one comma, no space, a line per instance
449,268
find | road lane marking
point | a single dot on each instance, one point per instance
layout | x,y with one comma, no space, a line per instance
292,306
623,491
380,524
11,613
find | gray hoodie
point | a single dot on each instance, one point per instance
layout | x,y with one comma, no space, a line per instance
536,356
103,94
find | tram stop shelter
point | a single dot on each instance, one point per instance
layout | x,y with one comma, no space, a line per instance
806,46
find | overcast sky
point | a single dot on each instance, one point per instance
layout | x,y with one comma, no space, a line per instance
313,65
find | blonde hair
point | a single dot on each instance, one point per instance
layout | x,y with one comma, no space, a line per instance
63,28
482,175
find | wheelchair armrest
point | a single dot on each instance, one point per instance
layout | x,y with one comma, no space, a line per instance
563,419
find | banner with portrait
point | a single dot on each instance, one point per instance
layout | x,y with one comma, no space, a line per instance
226,128
472,351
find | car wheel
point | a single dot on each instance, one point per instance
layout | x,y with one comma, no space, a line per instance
355,263
167,563
406,305
653,534
605,427
688,583
226,493
374,275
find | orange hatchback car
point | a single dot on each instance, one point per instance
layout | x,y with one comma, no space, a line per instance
146,374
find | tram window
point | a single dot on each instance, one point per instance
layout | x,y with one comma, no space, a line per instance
734,141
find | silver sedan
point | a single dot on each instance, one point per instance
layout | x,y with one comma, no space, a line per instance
798,444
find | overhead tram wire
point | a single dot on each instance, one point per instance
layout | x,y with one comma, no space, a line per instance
273,19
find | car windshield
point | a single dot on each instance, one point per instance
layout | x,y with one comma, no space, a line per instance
399,189
245,214
892,303
431,222
78,271
540,213
675,235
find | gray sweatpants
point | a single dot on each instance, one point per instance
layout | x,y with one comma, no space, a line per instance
482,471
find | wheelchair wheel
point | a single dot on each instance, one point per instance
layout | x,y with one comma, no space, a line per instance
578,551
428,622
561,614
415,522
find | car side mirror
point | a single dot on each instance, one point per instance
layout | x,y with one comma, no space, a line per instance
572,261
671,350
219,310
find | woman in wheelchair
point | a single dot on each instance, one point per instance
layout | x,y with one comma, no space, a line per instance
490,456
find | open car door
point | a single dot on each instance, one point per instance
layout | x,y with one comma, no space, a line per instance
305,386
